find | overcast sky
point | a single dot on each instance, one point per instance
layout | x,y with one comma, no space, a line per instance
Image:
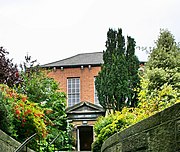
51,30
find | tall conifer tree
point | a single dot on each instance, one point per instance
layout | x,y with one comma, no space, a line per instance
133,66
114,83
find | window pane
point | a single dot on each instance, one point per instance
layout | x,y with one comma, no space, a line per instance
73,91
96,101
77,90
77,81
69,85
73,80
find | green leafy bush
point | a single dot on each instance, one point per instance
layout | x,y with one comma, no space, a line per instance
45,91
19,117
6,115
25,117
111,124
149,104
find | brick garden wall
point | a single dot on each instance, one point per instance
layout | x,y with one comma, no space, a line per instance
158,133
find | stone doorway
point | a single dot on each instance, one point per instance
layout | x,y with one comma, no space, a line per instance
83,117
85,138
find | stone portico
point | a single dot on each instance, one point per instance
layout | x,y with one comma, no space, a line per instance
83,117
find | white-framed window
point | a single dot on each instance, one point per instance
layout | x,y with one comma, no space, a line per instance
96,101
73,91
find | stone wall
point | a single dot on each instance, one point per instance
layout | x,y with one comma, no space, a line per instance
8,144
158,133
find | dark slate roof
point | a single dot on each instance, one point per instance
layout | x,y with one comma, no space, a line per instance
95,58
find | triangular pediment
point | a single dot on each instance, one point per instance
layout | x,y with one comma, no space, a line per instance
84,107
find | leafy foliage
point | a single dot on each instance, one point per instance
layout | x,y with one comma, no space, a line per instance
6,115
28,118
20,117
8,71
111,124
115,88
149,105
164,62
45,91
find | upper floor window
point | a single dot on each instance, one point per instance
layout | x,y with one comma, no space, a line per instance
96,101
73,91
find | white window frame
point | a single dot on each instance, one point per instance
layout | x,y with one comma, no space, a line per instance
96,101
73,93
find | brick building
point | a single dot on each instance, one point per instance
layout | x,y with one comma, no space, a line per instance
76,76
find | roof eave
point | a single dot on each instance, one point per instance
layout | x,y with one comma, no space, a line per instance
70,66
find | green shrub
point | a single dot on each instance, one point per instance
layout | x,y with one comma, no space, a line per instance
150,104
111,124
6,116
45,91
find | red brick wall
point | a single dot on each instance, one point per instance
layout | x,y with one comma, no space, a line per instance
86,76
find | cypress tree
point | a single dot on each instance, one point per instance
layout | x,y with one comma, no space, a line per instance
115,83
133,66
119,73
103,83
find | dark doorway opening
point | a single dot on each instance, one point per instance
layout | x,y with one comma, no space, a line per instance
85,137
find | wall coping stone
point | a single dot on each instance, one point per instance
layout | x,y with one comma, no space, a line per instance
167,115
8,143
